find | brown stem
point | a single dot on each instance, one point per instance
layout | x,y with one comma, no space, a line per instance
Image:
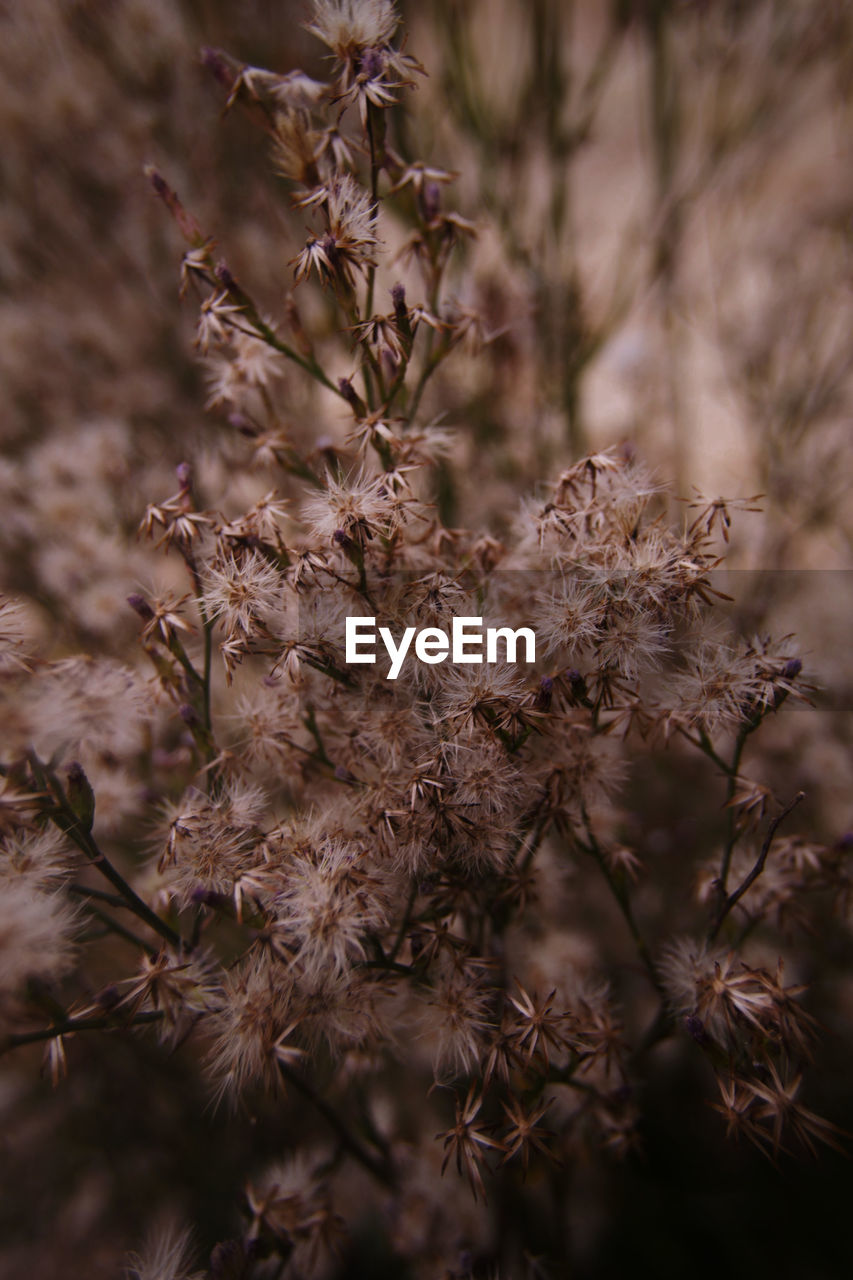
757,869
64,817
72,1025
380,1169
623,902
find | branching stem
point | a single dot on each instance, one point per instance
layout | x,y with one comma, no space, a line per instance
64,817
380,1169
72,1025
735,896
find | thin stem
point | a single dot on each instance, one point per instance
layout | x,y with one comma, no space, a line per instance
115,927
380,1169
703,744
431,363
64,817
566,1075
536,835
731,771
733,833
748,880
85,891
177,649
623,901
205,741
374,196
260,329
208,651
70,1026
399,381
327,765
314,729
310,365
404,923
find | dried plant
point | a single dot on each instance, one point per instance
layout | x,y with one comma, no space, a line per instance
405,908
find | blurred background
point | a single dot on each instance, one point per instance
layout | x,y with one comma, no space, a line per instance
663,193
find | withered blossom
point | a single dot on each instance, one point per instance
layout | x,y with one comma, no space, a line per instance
349,243
353,907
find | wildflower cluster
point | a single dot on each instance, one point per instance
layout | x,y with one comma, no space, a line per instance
416,906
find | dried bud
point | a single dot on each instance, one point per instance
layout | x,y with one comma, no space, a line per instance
216,62
224,276
158,182
141,606
401,314
372,63
430,201
201,896
186,222
576,683
241,423
109,997
352,397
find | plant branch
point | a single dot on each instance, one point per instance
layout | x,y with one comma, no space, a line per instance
70,1026
733,898
380,1169
64,817
623,901
114,926
404,923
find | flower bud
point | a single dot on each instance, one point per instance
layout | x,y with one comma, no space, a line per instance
141,606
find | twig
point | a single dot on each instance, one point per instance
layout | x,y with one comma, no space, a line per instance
114,926
757,869
72,1025
623,901
731,787
371,273
100,895
381,1169
404,923
64,817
